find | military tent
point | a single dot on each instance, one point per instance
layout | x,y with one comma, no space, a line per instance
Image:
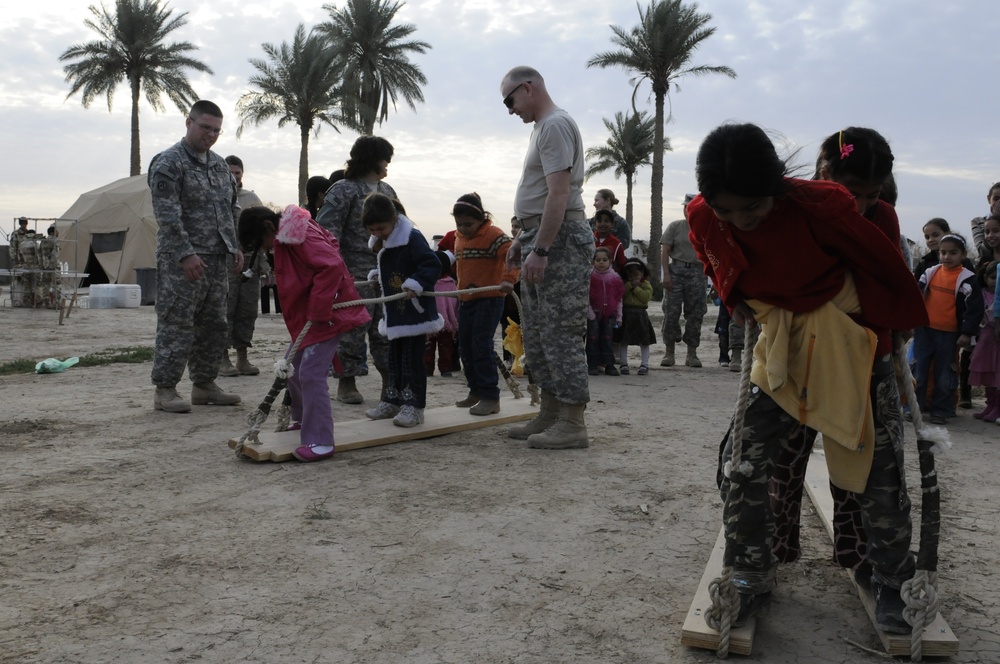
114,231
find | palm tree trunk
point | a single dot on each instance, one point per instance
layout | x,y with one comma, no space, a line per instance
628,200
303,164
135,166
656,191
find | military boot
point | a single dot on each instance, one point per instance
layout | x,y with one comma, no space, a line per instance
347,390
167,400
227,368
570,432
209,393
548,415
736,364
692,357
243,364
668,356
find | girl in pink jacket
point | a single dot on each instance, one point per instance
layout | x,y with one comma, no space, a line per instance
311,277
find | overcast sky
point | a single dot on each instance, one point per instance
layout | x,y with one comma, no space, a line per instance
923,74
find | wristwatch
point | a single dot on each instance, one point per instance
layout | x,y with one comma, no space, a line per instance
541,251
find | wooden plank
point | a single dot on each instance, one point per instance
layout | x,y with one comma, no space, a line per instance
938,639
358,434
696,633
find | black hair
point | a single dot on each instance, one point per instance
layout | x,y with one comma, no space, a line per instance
889,192
739,159
366,153
599,250
986,270
233,160
857,151
939,222
604,213
379,209
254,222
316,185
336,176
205,107
954,238
470,205
995,185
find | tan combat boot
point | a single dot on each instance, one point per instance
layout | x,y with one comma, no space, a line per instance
570,432
347,391
668,356
548,415
736,364
692,358
243,365
167,400
227,368
209,393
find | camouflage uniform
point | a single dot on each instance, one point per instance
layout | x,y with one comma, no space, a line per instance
194,200
688,291
341,215
244,296
555,313
24,256
748,515
50,281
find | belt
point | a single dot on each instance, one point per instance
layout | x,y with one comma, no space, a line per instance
527,223
674,261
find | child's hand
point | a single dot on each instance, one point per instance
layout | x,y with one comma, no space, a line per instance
506,287
409,294
965,342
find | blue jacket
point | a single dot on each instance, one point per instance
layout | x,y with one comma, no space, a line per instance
405,260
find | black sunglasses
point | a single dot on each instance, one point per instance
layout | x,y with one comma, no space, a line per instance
507,101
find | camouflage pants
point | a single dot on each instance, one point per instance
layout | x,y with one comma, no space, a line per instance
689,293
748,515
190,321
555,313
352,344
241,310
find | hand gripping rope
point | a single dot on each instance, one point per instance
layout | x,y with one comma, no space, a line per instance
283,367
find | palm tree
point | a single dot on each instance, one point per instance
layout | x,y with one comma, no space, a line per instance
300,84
374,54
629,146
659,50
133,48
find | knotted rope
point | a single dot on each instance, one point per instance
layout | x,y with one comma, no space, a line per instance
920,593
283,368
725,598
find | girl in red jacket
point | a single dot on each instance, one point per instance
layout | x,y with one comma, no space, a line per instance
311,277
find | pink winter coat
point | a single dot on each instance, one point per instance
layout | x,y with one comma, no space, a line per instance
447,306
311,276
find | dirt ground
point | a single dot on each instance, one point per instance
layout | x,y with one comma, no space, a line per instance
129,535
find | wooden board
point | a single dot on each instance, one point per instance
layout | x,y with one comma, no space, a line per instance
938,639
696,633
358,434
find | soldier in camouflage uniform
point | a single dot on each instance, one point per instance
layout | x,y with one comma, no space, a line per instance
341,215
50,280
244,289
194,200
556,245
684,286
24,260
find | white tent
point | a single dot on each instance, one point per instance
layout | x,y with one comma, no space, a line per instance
116,223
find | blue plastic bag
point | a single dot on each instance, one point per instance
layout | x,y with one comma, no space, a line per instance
52,365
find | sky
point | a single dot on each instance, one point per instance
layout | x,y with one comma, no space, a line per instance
920,73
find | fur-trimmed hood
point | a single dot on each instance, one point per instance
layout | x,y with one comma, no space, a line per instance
399,236
293,225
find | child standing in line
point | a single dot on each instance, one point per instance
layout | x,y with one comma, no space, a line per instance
604,221
984,367
510,312
978,239
605,313
406,264
481,257
636,329
445,342
990,250
954,302
311,276
934,230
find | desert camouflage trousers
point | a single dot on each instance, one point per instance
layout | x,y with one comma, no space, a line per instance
689,292
241,309
555,313
885,507
352,352
190,320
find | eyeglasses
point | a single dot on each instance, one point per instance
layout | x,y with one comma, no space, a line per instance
507,101
206,128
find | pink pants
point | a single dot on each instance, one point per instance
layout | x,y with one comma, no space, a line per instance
311,393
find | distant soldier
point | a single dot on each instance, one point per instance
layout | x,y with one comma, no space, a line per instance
50,281
244,289
194,200
24,260
684,286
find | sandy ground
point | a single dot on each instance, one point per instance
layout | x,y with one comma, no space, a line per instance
129,535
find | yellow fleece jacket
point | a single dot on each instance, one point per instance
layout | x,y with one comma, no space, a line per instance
817,367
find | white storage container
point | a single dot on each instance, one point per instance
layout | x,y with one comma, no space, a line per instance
103,296
129,295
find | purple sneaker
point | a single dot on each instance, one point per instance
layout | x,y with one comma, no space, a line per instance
308,453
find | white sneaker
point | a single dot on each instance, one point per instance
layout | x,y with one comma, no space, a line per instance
382,411
409,416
